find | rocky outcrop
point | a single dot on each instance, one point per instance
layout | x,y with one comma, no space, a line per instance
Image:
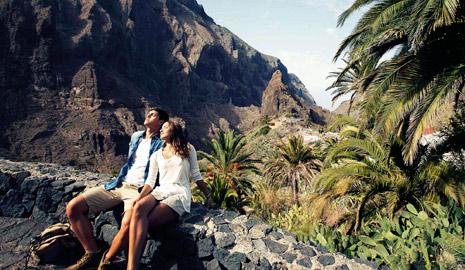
77,75
33,196
279,99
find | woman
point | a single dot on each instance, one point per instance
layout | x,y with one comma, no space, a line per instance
172,198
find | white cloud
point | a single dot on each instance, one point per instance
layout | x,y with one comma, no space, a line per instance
334,6
332,32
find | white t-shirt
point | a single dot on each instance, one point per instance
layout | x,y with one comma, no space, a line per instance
174,176
136,173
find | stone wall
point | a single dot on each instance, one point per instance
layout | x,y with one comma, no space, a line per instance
34,195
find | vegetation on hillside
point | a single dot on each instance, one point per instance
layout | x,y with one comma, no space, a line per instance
378,189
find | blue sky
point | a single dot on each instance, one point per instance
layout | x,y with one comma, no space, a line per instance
302,33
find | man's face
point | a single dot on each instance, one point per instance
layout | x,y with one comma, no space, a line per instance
152,121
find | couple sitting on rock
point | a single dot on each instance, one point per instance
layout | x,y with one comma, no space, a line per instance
161,150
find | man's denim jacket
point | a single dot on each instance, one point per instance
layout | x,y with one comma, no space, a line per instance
155,144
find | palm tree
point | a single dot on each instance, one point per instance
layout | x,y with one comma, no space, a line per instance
340,121
295,162
228,157
359,166
227,170
351,80
427,67
363,167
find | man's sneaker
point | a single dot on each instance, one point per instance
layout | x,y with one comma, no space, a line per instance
104,263
88,262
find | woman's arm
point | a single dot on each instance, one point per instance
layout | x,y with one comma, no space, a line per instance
197,177
203,187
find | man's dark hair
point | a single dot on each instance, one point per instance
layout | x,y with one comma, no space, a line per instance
162,114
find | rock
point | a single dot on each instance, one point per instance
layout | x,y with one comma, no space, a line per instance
189,229
194,219
275,235
20,176
342,267
239,220
60,184
237,229
205,247
275,246
229,216
308,251
253,257
7,182
259,231
326,260
220,254
243,244
213,265
306,262
263,262
108,233
289,257
75,187
249,266
11,204
219,220
370,264
260,245
252,222
278,266
47,199
234,260
30,185
289,237
150,249
246,222
224,228
321,249
223,240
112,217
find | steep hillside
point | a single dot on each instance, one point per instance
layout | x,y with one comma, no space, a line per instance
77,75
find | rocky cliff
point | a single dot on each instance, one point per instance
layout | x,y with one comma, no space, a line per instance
33,196
281,99
77,75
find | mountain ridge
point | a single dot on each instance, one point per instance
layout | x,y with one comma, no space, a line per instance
78,76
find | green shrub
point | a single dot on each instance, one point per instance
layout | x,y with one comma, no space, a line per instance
431,238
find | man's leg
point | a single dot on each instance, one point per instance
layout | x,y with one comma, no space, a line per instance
77,210
95,200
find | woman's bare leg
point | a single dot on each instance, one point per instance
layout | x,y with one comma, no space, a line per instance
138,229
161,215
121,239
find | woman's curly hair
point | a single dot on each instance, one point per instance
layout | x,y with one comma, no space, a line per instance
178,138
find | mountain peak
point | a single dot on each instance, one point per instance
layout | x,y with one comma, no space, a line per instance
78,76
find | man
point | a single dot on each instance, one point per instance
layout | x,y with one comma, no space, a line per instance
124,189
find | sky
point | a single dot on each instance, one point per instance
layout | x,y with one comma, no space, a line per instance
301,33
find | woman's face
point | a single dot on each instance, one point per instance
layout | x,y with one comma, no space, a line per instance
166,131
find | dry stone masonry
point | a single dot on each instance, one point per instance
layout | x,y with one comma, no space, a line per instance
34,195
